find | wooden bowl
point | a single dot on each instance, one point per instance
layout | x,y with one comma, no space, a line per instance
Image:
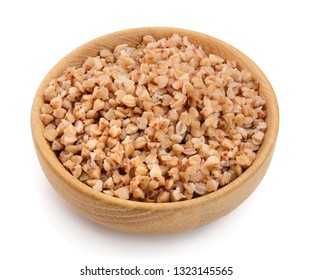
141,217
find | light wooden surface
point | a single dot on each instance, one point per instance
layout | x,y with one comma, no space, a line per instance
140,217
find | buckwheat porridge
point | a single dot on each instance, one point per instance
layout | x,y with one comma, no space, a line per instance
159,122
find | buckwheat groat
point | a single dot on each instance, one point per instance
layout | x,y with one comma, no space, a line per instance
159,122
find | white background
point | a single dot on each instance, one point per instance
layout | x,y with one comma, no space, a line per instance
269,236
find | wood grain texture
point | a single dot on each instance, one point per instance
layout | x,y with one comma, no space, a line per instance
140,217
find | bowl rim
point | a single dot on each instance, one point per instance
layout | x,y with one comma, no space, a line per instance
43,147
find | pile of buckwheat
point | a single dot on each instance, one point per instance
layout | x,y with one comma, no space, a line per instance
159,122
